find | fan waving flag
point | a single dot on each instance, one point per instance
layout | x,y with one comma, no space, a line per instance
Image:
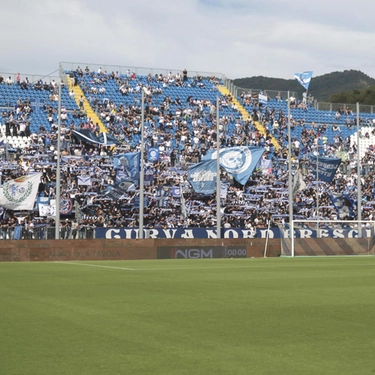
20,194
239,161
304,78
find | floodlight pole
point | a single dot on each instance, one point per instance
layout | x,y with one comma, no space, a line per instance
359,185
317,189
290,182
58,171
218,208
141,177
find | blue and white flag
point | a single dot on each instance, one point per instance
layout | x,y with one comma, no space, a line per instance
266,166
183,207
176,191
87,136
47,210
129,163
84,180
36,105
263,99
118,189
344,205
42,200
66,206
137,200
153,154
304,78
162,195
324,168
239,161
224,186
202,177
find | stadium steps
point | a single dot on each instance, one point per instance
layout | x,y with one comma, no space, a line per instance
245,114
90,113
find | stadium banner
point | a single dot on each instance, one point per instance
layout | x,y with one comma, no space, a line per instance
324,168
20,194
239,162
324,233
242,233
185,233
129,164
344,205
200,252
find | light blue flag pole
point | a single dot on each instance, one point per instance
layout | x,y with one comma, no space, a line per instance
304,78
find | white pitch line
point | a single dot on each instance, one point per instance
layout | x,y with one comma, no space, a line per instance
188,268
98,266
149,269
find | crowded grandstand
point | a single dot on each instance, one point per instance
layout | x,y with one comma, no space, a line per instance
94,116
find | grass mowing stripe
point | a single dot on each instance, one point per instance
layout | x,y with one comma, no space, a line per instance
97,265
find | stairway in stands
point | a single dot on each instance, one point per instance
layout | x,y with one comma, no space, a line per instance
90,113
245,114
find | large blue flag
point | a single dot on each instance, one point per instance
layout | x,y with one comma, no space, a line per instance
129,164
239,161
202,177
324,168
304,78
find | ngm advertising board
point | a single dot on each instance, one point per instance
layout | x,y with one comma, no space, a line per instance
200,252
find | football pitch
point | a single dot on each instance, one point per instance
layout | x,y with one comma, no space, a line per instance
183,317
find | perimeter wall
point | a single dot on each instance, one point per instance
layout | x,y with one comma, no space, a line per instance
127,249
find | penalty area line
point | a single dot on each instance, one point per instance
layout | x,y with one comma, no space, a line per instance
98,266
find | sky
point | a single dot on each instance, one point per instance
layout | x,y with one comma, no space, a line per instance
237,38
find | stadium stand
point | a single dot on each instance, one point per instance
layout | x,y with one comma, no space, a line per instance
180,122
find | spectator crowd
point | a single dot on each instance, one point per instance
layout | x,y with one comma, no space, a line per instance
183,129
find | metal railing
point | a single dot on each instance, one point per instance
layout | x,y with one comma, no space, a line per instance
321,106
47,233
32,77
140,71
324,106
237,91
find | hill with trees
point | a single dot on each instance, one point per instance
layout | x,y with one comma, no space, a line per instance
349,86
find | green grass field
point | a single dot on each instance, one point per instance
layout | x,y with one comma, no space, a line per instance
225,316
